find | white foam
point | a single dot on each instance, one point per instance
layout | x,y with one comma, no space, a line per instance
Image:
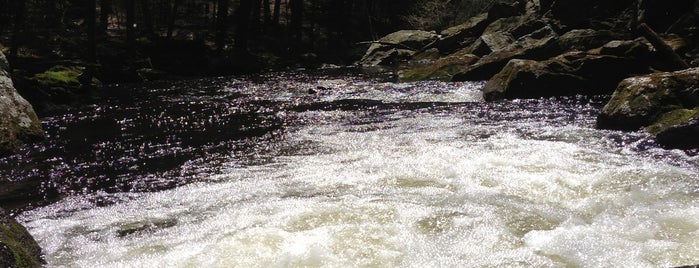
412,193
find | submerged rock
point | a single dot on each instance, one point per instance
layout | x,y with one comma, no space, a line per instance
18,121
17,247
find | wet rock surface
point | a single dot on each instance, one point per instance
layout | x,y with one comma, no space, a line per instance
18,121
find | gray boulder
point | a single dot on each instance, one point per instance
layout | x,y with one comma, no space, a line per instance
396,46
18,121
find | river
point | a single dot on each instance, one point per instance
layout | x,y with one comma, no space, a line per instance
336,169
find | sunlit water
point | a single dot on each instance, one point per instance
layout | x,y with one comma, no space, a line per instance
370,174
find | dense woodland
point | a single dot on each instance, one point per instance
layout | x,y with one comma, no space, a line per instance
275,31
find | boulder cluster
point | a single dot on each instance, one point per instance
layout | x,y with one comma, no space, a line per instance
644,53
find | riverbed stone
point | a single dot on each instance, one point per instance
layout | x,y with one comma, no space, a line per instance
18,121
642,100
17,247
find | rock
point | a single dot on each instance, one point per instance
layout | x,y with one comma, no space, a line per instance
57,88
585,39
504,10
490,42
531,79
677,129
441,69
17,247
571,73
18,121
537,45
641,101
396,46
464,34
516,26
473,26
456,37
626,48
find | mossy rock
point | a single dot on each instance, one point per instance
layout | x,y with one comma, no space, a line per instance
17,247
677,129
640,101
56,89
672,119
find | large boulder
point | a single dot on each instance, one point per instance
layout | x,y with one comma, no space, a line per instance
531,79
17,247
538,45
18,121
571,73
642,100
396,46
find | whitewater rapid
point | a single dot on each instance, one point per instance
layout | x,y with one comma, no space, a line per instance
433,187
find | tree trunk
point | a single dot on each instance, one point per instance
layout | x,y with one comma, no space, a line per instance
130,22
147,17
266,13
277,10
172,18
255,17
221,24
91,57
91,19
296,22
105,10
18,29
242,32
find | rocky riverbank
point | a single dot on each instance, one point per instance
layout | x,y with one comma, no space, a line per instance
18,124
534,49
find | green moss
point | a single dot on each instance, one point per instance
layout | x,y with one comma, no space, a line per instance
672,118
11,237
60,76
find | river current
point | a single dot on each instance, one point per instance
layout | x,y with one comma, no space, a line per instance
342,170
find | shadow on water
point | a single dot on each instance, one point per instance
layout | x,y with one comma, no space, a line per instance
144,138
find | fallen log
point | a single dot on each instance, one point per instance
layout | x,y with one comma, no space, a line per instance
663,49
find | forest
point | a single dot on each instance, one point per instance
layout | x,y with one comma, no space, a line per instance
242,35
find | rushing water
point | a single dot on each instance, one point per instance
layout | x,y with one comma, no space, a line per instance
258,172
